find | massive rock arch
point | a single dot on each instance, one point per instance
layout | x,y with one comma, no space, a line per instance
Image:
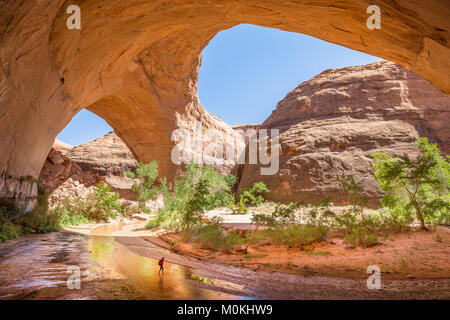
135,63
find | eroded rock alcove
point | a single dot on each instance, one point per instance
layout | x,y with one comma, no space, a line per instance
135,64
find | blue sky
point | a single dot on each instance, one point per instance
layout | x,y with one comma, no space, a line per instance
245,71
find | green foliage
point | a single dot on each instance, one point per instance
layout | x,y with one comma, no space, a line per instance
8,210
282,216
252,196
238,207
284,227
212,236
421,184
196,204
14,223
319,252
201,279
9,230
320,215
99,206
153,223
360,236
146,174
298,235
255,195
40,219
198,189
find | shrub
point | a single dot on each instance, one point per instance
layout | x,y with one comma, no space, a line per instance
153,223
14,223
355,193
361,236
319,252
99,206
298,235
237,207
284,228
212,236
8,210
255,255
9,231
255,195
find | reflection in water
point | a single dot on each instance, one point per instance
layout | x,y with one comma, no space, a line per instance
35,263
143,272
35,267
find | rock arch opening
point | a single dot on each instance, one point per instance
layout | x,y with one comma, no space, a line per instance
84,127
246,70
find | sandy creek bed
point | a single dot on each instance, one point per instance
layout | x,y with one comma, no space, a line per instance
119,261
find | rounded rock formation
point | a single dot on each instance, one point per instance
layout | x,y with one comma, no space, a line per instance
331,124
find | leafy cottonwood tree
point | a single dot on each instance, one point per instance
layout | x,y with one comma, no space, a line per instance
146,174
197,190
422,183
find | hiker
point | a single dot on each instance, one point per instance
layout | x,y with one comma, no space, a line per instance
161,263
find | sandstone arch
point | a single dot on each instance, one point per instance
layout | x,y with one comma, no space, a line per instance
135,63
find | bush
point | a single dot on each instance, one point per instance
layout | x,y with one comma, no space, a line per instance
99,206
153,223
255,195
252,196
212,236
284,227
237,207
8,210
361,236
14,223
298,235
8,231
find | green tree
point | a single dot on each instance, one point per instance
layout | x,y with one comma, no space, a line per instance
196,204
197,190
146,174
422,183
